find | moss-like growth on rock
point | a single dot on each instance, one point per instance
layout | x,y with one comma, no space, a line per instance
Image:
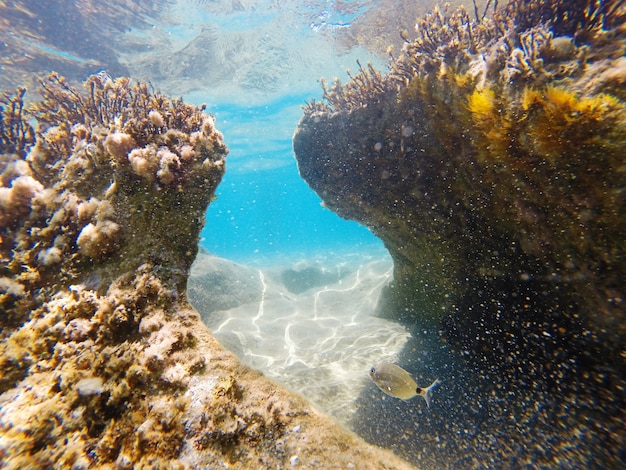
479,131
490,161
103,363
88,255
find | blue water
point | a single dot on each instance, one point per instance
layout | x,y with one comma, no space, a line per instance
264,210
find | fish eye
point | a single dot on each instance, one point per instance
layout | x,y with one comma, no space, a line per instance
372,370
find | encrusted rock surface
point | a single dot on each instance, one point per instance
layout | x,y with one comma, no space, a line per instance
103,363
490,161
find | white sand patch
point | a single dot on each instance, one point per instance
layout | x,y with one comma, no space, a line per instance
320,342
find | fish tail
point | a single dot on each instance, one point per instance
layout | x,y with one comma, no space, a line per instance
426,392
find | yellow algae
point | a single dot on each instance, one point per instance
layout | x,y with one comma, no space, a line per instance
530,97
562,122
481,103
570,103
559,101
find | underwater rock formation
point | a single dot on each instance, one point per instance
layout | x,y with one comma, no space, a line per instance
490,161
220,284
103,363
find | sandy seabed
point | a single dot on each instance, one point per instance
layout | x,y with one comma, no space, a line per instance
310,325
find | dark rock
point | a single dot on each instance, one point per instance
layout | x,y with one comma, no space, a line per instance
495,181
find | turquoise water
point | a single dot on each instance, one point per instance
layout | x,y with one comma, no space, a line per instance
263,208
265,62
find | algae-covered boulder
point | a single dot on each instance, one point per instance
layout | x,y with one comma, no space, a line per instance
490,161
103,364
489,150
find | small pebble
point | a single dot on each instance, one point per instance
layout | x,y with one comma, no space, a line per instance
90,386
294,460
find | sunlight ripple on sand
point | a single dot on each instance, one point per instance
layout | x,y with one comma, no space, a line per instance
320,342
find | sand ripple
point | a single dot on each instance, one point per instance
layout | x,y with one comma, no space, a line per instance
320,342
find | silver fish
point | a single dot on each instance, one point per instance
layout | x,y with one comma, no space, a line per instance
398,383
